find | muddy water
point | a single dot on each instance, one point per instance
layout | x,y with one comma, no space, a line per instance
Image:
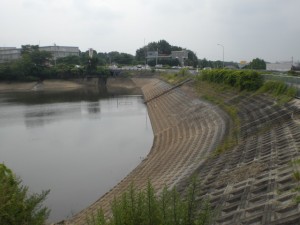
78,144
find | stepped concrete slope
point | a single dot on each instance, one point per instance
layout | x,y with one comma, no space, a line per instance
186,130
253,183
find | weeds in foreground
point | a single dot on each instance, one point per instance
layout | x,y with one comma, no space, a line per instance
145,207
17,204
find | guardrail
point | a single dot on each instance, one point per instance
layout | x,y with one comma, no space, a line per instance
289,80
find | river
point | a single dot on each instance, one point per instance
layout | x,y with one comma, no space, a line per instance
77,143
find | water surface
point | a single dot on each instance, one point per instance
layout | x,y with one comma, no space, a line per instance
78,144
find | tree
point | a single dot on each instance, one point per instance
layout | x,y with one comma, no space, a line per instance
69,60
140,54
90,64
16,205
164,47
33,62
26,49
117,57
257,64
192,59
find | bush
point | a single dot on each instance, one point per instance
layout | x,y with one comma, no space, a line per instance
145,207
175,78
278,89
244,80
16,206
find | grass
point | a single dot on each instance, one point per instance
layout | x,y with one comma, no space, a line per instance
210,85
137,207
296,176
175,78
278,90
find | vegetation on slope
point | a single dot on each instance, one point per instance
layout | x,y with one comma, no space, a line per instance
213,93
17,207
279,90
145,207
175,78
242,79
214,84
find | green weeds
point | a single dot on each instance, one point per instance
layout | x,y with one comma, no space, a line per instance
17,206
279,90
242,79
296,176
145,207
175,78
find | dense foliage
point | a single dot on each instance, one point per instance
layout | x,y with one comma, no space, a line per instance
257,64
204,63
242,79
17,207
38,65
278,89
164,48
145,207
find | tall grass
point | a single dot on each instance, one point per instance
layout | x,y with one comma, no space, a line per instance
145,207
279,90
175,78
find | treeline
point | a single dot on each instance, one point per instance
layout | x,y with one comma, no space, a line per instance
145,207
38,65
255,64
164,48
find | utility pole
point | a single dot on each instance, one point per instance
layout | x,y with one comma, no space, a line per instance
156,58
223,53
145,52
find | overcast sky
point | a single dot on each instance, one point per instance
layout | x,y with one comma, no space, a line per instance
268,29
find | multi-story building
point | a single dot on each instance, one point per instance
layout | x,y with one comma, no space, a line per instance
61,51
8,54
279,66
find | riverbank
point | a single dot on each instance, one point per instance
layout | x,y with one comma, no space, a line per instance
179,144
251,181
46,85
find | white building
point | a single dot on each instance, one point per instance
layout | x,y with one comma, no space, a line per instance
279,66
61,51
8,54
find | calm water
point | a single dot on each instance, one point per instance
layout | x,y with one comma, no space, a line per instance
78,144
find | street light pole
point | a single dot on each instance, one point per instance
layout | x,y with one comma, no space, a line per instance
223,53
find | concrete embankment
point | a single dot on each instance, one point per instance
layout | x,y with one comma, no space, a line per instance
254,182
186,131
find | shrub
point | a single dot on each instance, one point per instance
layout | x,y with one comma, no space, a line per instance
16,206
278,89
145,207
244,80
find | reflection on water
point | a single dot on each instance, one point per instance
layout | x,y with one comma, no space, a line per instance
78,143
